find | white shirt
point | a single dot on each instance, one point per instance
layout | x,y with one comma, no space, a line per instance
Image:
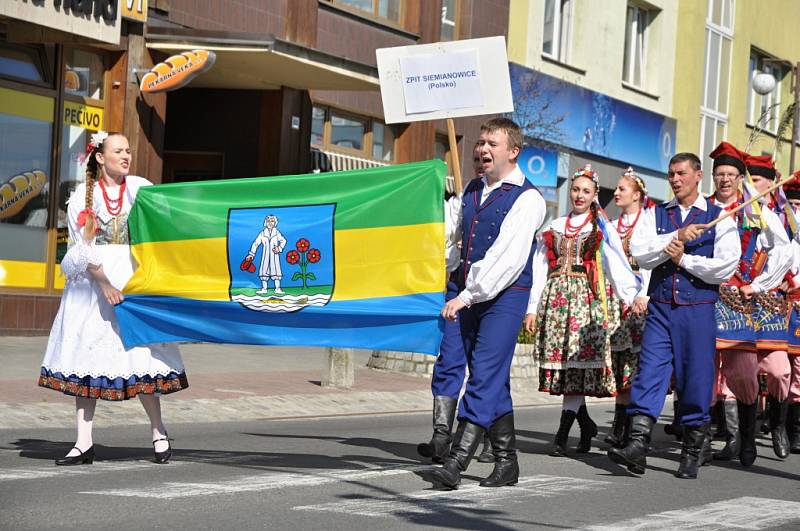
615,265
507,256
627,219
647,246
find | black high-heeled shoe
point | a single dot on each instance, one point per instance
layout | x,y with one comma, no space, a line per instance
162,457
83,458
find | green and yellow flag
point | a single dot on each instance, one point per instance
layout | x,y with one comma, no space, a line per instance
348,259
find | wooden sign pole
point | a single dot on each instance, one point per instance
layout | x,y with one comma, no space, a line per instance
451,134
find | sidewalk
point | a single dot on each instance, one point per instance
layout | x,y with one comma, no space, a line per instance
226,383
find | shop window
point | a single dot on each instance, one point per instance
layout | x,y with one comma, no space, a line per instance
26,124
22,62
449,30
382,141
557,33
347,132
83,114
387,9
317,126
360,136
84,74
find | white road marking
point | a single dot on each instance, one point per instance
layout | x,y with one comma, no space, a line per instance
236,391
52,471
739,513
468,496
257,483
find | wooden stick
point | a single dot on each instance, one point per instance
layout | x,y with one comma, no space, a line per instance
750,201
451,134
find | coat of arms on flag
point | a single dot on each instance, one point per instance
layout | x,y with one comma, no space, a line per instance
281,259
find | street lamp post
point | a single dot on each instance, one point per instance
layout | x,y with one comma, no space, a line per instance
764,82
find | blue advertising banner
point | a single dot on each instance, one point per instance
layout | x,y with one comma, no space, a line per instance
540,166
588,121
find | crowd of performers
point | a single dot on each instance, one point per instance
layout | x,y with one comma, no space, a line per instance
666,299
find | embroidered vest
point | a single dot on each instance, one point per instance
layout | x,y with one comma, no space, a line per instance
672,284
481,226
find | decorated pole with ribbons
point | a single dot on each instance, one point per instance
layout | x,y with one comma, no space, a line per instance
750,201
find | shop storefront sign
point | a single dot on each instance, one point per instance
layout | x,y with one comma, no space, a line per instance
592,122
540,166
134,9
177,71
83,116
95,19
20,189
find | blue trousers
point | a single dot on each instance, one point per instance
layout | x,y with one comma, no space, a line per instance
489,331
683,339
451,365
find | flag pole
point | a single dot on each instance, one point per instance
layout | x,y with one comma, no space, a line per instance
451,134
750,201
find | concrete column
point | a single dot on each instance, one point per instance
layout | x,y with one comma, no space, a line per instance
340,370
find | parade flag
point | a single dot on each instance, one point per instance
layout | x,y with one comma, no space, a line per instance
752,212
347,259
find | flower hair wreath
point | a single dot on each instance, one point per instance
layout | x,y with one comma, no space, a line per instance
98,138
589,173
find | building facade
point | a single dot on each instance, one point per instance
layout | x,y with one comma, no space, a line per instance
294,89
714,97
593,84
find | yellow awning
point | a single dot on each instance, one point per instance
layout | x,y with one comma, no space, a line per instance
262,67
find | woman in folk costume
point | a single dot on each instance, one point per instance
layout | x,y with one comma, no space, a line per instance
742,311
568,310
631,198
753,291
792,190
85,357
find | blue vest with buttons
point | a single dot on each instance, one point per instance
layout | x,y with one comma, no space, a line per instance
672,284
481,226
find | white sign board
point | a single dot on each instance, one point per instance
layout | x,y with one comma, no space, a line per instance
444,80
98,20
437,81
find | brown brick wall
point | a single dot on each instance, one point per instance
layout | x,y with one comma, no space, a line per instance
27,315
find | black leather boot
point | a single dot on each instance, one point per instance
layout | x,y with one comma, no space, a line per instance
674,428
465,443
691,454
634,454
444,411
777,425
793,428
486,455
616,437
731,449
718,419
504,443
588,430
706,452
562,435
747,433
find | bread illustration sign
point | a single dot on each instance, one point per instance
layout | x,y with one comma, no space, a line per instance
20,189
177,71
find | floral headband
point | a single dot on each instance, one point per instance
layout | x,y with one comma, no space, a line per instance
587,172
96,141
631,174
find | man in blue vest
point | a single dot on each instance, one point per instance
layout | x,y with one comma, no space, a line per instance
451,364
495,218
689,260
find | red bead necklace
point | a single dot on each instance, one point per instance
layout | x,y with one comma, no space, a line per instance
624,230
571,230
114,206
